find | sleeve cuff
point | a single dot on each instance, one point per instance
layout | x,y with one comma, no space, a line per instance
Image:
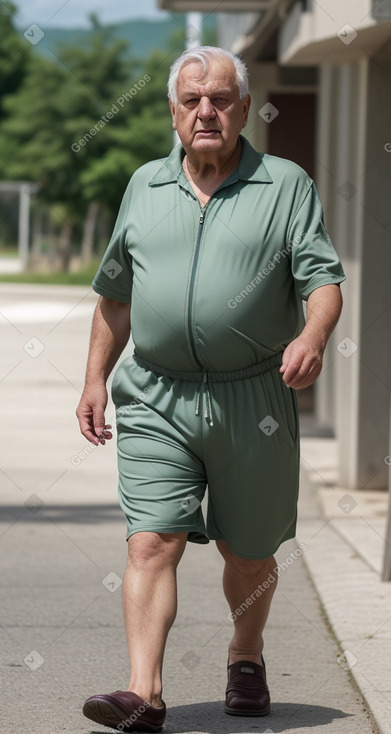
108,293
317,281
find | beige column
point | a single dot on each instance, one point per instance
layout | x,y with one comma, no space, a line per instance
264,77
362,236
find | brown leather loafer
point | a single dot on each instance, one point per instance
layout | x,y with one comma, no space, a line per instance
247,693
125,711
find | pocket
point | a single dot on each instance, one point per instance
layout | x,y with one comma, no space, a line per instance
287,403
290,400
119,381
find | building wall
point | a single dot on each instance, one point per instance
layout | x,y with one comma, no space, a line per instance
232,25
352,174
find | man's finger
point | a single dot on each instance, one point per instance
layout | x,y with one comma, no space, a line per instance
85,423
294,367
105,435
305,377
87,428
297,372
90,436
99,421
286,355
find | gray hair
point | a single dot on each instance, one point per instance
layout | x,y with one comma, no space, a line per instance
201,54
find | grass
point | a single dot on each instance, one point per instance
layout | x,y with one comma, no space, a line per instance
8,253
81,277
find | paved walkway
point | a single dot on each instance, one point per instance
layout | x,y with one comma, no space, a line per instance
345,531
62,552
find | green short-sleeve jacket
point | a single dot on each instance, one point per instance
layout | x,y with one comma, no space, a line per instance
218,287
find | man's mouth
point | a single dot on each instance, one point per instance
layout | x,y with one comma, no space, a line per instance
206,132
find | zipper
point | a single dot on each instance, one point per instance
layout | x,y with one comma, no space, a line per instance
204,384
191,288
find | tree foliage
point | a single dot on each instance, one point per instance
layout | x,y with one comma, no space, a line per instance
82,124
14,53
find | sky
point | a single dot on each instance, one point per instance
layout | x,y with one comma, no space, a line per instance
73,13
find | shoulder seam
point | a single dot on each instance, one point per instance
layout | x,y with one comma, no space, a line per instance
310,188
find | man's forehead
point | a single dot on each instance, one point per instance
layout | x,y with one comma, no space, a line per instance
219,76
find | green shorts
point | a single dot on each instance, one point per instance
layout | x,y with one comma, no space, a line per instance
235,432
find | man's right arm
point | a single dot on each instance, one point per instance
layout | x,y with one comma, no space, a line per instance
109,336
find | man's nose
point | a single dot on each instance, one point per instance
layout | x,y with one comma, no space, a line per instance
205,108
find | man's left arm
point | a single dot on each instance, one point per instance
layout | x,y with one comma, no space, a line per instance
302,358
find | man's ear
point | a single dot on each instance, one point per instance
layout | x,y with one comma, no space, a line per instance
172,108
246,108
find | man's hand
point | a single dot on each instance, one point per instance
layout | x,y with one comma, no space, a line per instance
301,363
91,414
302,359
109,335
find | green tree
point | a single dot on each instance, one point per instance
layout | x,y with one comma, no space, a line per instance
144,133
55,107
15,53
81,127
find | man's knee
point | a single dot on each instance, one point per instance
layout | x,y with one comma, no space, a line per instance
246,566
157,549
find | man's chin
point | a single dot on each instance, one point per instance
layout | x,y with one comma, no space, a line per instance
204,142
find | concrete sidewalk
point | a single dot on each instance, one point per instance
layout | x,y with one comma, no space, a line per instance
62,554
345,532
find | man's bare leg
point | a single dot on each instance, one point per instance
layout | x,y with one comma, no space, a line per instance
150,605
240,580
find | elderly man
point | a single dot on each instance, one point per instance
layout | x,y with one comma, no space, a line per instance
214,248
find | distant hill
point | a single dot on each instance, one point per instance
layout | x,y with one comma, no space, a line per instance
142,35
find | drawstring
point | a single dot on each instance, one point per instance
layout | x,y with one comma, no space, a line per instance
198,398
208,404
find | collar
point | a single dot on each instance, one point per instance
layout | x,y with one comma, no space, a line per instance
250,168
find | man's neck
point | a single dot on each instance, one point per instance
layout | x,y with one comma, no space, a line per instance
212,166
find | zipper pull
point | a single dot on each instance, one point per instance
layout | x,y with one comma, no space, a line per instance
201,219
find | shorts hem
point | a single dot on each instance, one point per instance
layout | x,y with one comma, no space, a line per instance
253,556
195,534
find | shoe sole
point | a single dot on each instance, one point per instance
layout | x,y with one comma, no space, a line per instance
246,712
108,714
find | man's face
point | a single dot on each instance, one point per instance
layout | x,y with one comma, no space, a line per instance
209,114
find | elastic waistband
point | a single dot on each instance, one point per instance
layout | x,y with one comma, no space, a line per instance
213,376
